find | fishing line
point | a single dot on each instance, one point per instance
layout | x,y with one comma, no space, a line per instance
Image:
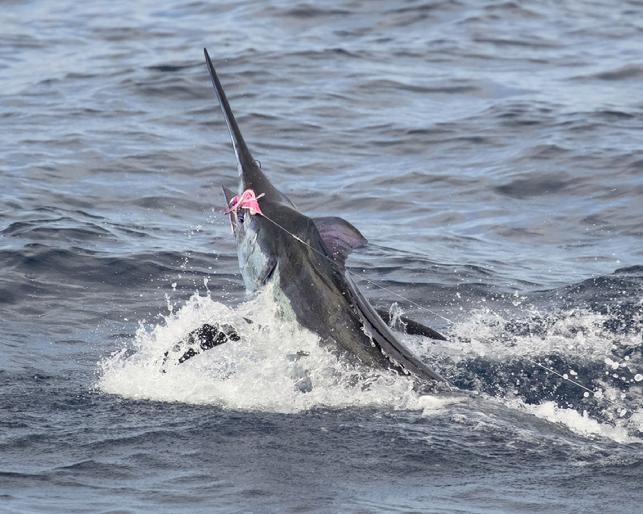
550,370
558,374
248,200
365,279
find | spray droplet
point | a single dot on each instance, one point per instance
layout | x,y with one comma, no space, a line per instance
638,377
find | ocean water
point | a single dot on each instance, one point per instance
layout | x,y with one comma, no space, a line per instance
490,151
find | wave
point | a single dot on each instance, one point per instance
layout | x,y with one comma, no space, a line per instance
279,367
576,359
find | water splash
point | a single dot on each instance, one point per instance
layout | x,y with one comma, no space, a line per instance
502,356
277,366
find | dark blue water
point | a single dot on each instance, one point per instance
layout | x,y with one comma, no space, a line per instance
490,151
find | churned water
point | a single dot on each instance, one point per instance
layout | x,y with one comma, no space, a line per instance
490,151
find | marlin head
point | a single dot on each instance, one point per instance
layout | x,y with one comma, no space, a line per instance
257,238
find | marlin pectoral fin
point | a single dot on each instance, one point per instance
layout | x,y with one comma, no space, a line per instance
412,327
270,267
339,237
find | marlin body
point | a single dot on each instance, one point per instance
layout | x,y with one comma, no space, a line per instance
302,259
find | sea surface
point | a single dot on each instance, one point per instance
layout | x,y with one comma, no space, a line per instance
491,152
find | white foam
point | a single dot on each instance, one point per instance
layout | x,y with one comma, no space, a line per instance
575,421
579,333
259,372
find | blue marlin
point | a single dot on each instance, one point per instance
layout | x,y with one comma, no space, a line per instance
303,262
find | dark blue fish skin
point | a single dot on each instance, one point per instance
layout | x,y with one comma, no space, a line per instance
286,245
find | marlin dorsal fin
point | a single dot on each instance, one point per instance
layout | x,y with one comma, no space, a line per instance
339,237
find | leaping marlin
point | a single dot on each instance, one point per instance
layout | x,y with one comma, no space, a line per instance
304,259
